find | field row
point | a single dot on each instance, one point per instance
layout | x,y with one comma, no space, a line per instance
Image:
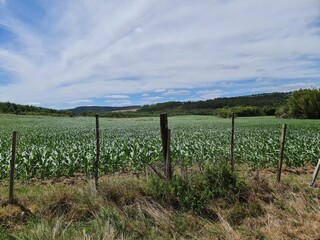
52,147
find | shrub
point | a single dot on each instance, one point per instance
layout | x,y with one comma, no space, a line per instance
244,111
304,103
193,193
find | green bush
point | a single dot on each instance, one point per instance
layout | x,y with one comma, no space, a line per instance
246,111
4,234
282,112
194,192
304,103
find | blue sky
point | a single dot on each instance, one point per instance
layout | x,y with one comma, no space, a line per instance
62,54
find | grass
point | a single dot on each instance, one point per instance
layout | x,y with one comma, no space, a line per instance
214,204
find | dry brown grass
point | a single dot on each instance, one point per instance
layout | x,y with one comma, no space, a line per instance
292,208
122,209
295,212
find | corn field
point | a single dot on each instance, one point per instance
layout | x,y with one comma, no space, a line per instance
51,147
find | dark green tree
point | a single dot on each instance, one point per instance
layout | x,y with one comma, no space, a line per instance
304,103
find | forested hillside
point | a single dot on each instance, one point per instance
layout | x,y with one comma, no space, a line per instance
7,107
252,105
267,101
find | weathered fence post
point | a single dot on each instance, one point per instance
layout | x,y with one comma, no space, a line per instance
96,164
169,169
12,167
232,143
283,141
315,174
164,136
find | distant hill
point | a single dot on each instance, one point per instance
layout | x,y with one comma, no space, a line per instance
13,108
100,109
257,100
251,105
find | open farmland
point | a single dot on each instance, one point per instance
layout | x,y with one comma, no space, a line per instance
55,146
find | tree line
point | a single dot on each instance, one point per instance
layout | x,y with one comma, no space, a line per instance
303,103
252,105
257,100
19,109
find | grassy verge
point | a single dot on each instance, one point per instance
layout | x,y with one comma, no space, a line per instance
214,204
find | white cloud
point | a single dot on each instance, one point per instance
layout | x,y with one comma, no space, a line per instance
160,90
152,98
210,94
33,103
117,96
55,107
149,46
81,101
118,103
287,87
176,92
145,95
138,30
194,99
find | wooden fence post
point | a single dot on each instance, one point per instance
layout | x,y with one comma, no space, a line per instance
283,141
164,136
96,164
12,167
232,143
169,170
315,174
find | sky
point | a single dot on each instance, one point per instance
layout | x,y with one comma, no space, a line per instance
62,54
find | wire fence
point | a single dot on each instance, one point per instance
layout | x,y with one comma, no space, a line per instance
51,153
